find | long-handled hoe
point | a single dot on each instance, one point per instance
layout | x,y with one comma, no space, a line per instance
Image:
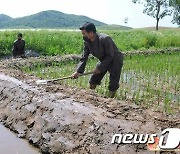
58,79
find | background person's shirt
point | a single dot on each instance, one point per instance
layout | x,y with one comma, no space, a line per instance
18,48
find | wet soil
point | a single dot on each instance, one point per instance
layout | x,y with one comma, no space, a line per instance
61,119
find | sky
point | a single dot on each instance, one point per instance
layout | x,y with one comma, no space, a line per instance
107,11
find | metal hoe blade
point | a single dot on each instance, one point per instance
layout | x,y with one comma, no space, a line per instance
41,82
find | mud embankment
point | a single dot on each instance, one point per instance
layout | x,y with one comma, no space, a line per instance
59,119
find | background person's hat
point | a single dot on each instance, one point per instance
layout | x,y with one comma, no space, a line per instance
88,26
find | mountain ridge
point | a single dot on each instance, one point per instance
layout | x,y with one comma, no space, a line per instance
46,19
51,19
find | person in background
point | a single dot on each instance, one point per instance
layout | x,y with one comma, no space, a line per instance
19,47
110,58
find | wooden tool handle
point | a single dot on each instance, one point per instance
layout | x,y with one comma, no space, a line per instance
69,77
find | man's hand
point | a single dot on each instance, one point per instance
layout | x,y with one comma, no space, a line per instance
75,75
96,71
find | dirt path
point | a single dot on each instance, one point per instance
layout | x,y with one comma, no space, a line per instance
59,119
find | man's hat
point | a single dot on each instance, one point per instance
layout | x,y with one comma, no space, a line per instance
88,26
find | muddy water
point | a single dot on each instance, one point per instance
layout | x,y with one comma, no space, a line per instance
11,144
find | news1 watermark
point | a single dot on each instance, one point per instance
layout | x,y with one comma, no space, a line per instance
168,140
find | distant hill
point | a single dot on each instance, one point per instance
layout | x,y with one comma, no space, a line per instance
4,17
160,28
48,19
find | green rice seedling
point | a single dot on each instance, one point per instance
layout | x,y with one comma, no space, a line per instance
144,80
167,106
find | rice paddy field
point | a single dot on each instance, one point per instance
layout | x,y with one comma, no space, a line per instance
66,116
151,80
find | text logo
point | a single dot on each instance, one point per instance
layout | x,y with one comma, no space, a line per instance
169,140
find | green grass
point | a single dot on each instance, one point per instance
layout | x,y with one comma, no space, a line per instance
57,42
150,81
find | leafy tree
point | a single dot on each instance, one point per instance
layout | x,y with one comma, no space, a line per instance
176,15
157,9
